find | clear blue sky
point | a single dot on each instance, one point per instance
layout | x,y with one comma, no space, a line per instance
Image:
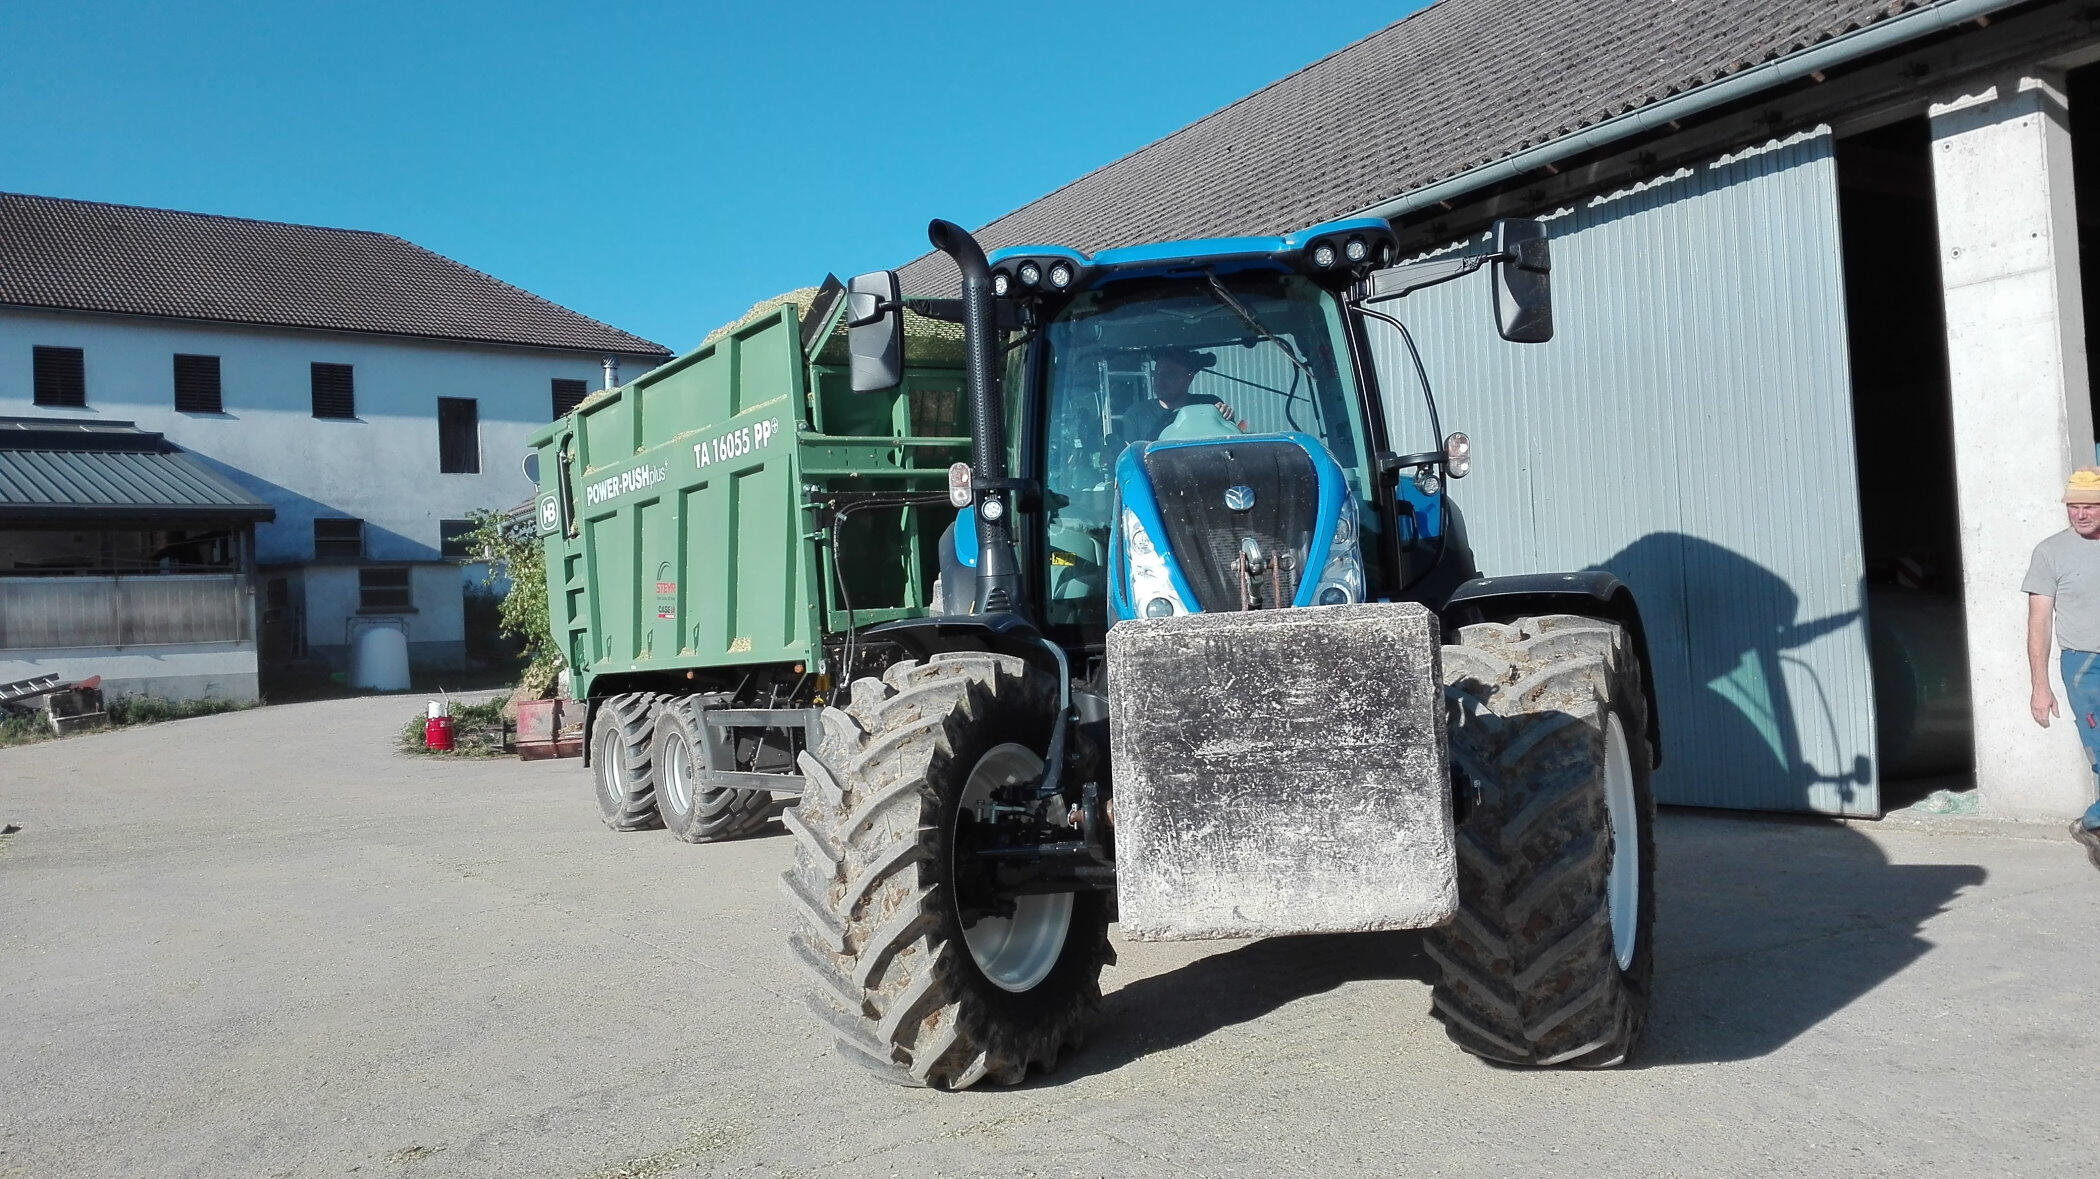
659,166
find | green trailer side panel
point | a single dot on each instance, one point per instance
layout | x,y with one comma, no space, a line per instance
690,520
678,514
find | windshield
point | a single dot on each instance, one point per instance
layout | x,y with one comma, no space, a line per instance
1184,358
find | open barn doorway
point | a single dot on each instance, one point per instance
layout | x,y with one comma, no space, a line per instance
1903,427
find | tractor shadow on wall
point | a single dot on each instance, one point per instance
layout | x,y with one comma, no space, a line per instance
1765,927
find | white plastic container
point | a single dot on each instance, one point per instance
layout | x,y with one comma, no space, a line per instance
379,659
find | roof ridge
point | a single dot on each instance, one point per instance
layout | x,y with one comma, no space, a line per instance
31,196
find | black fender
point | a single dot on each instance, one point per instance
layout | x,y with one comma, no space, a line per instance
1592,593
1002,633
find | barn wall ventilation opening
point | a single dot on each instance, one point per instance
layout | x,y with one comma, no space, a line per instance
1902,412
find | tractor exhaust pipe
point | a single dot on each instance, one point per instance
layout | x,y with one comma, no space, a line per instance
998,569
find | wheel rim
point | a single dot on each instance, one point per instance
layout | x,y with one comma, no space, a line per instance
1622,895
678,772
1014,953
611,782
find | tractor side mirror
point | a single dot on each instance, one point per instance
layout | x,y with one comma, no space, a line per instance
532,467
1523,269
875,331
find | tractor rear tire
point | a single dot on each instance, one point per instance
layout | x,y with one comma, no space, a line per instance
1549,958
684,751
905,986
621,734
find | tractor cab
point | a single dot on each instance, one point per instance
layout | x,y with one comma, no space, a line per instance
1196,426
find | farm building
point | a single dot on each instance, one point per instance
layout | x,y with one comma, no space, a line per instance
1820,363
124,558
370,392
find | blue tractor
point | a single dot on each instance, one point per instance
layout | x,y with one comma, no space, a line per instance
1209,656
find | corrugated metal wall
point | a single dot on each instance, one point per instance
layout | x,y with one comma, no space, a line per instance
1690,429
55,612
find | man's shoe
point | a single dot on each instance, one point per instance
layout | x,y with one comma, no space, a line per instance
2089,837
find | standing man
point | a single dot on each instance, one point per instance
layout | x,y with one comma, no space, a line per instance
2063,591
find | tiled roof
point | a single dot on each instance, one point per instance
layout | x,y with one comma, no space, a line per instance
86,256
56,469
1459,84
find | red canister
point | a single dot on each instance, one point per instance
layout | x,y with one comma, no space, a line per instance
437,731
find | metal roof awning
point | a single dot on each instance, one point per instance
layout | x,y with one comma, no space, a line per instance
68,470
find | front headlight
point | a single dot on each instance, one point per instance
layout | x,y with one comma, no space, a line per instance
1342,578
1152,592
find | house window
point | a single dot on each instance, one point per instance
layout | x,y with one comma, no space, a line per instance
339,539
383,591
453,542
459,436
197,384
61,376
568,395
335,394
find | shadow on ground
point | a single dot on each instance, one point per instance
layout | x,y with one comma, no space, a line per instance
1765,928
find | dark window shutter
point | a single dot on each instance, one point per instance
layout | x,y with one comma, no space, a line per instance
452,539
568,395
384,590
61,376
339,539
197,383
335,394
459,436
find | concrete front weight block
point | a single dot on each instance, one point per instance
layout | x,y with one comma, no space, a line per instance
1280,772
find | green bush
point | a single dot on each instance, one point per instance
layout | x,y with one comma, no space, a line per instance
511,546
21,728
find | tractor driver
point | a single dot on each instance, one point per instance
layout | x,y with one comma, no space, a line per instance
1194,416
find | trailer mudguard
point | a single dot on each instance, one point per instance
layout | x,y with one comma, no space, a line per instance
1593,593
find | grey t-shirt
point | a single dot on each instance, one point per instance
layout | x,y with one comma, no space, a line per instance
2067,567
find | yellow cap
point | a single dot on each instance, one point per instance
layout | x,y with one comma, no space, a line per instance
2083,487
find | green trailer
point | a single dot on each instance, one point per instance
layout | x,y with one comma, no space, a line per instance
701,525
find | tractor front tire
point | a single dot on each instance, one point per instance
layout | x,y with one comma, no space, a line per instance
1549,958
911,971
621,734
684,752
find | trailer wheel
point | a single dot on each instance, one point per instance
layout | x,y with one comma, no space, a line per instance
1549,958
684,752
919,973
620,764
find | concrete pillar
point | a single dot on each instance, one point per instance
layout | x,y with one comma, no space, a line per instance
2001,161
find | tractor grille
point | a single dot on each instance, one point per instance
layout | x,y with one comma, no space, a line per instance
1191,483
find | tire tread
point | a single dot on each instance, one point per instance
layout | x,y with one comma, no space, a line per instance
1528,974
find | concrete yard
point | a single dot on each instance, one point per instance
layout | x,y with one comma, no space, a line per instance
267,944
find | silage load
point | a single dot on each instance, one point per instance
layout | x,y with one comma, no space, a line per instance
926,341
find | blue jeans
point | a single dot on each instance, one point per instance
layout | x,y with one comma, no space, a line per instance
2081,671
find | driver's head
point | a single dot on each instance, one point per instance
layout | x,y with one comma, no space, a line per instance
1172,371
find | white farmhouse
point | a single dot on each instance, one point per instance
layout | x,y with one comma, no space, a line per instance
369,391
